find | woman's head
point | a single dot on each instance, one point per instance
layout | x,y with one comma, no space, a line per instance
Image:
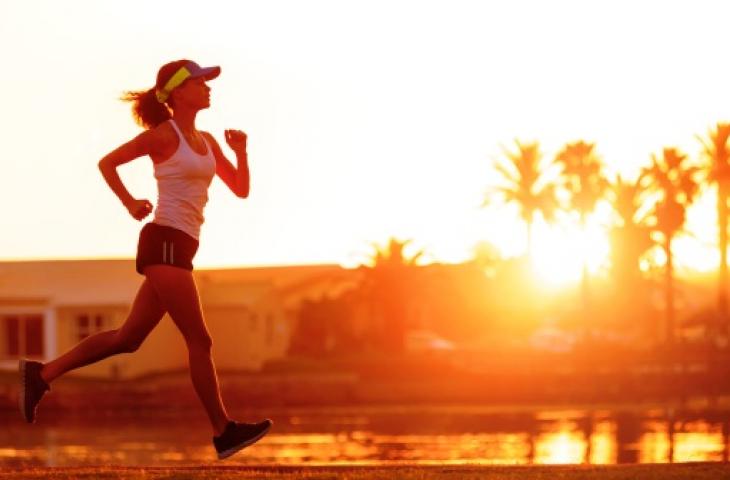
180,84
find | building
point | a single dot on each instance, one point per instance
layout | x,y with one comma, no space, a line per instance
46,307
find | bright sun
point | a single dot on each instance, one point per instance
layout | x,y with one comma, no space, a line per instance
559,251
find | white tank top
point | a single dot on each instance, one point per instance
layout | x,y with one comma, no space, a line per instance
182,185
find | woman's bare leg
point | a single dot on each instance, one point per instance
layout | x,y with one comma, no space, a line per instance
146,313
177,290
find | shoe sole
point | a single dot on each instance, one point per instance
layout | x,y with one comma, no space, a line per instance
241,446
21,395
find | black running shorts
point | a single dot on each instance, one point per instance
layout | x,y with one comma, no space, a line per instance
161,245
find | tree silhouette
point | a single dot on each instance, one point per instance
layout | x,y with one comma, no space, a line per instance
584,180
717,152
676,184
388,284
630,239
527,185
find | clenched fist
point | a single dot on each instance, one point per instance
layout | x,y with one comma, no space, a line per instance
139,208
236,139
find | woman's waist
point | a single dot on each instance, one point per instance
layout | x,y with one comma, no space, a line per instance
172,231
176,213
190,228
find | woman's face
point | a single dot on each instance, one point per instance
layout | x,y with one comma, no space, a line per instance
194,93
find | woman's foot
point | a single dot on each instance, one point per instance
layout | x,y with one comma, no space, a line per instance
32,388
237,436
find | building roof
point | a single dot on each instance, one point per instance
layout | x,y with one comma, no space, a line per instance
115,282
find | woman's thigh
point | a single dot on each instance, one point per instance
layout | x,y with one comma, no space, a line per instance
147,311
179,295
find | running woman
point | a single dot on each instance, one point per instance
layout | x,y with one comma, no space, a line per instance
185,160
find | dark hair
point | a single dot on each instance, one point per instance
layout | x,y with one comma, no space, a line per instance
147,111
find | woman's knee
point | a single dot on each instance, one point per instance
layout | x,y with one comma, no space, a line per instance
125,343
200,342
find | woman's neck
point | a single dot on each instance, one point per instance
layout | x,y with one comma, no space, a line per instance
185,119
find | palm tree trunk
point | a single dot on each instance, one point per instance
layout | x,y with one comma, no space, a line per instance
669,291
584,290
722,211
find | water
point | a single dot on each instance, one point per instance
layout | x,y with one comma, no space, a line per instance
390,435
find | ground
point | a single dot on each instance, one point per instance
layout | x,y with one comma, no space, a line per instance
699,471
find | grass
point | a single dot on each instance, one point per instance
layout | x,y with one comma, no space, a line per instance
699,471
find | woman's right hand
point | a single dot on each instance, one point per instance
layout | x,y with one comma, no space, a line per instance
139,208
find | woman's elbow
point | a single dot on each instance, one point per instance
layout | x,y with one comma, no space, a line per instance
242,190
104,164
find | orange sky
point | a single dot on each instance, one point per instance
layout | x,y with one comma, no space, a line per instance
364,119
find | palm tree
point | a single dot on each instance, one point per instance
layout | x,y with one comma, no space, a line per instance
631,237
717,152
584,180
630,240
676,185
527,185
388,285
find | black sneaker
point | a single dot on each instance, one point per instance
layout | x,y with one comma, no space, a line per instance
32,388
237,436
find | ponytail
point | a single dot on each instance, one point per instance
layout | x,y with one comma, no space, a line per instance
146,110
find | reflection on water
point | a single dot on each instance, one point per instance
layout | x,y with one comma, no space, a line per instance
562,446
423,436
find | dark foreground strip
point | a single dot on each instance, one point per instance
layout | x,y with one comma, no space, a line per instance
685,471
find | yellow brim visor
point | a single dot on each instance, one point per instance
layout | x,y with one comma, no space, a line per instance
174,82
190,70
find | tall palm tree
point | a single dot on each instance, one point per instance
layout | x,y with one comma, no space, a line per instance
676,184
717,152
388,286
630,237
526,183
630,240
584,180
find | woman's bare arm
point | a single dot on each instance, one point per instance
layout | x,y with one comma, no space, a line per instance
137,147
238,179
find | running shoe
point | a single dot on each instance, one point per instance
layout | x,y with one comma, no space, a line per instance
32,388
237,436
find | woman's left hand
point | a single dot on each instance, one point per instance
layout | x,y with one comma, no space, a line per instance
236,139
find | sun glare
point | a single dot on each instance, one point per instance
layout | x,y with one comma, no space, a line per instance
698,249
560,251
560,448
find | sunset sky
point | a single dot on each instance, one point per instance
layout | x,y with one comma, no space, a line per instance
365,119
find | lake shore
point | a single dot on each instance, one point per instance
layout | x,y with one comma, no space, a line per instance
302,390
698,471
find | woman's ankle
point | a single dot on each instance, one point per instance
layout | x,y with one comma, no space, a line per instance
45,374
219,429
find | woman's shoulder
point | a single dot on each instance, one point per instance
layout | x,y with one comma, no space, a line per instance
163,141
163,132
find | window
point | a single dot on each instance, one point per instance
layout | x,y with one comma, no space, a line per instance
23,335
87,324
